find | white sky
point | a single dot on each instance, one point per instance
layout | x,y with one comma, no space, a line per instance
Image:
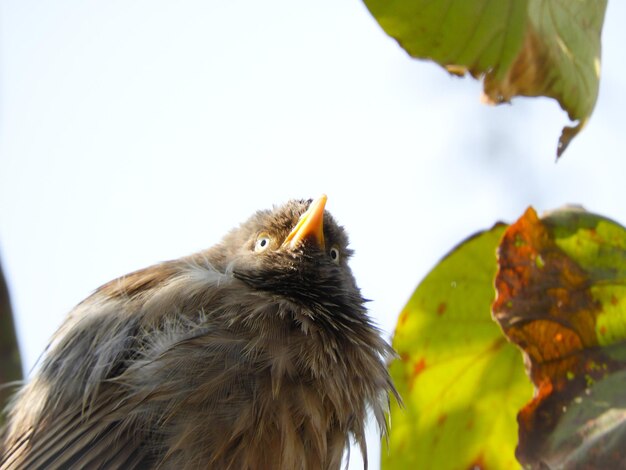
137,131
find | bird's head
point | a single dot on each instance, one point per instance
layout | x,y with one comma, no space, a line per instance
297,251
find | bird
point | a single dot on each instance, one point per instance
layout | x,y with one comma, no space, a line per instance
257,353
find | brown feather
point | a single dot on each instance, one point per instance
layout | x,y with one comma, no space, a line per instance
225,359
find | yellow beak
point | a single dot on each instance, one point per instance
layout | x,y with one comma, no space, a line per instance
310,225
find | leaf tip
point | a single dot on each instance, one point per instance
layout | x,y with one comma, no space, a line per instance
567,135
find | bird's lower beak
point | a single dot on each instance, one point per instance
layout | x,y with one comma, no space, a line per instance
310,225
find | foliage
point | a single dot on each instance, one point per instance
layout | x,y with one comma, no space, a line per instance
520,47
10,364
562,299
461,381
560,296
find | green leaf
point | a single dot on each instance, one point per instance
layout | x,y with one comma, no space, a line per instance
520,47
462,383
562,298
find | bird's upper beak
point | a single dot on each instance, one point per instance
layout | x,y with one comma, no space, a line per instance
310,225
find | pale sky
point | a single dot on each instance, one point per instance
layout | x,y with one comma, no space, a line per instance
138,131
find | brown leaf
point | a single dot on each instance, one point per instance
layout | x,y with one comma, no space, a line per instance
551,301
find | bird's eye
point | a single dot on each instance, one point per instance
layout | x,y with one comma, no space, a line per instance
334,254
263,242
